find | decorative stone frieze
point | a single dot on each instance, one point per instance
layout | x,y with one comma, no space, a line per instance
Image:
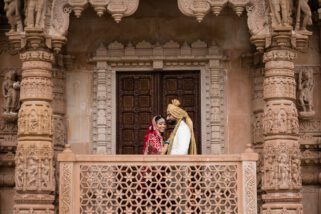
280,117
277,86
38,87
281,165
35,118
172,56
34,170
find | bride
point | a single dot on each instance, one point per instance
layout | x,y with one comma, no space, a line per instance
154,139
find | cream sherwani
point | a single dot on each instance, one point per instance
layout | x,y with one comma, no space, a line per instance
181,140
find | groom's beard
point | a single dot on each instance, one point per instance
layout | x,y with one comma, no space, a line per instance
171,122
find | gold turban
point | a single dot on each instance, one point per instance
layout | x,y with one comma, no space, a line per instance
181,114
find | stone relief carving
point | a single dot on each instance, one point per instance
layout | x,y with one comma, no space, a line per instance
13,13
10,92
281,11
281,165
249,170
257,21
34,169
303,16
280,118
35,13
59,132
35,118
305,92
8,136
310,132
59,20
65,206
19,171
36,87
276,87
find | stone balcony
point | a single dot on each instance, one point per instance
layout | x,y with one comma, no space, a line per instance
157,184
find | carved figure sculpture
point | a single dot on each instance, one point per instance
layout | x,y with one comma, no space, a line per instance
303,7
269,121
32,171
33,118
35,13
305,86
283,168
294,122
281,12
19,171
45,175
295,169
282,121
12,8
269,167
10,91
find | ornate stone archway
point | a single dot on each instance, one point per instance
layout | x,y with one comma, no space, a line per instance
170,57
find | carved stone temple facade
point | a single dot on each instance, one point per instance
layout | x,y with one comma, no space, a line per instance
89,75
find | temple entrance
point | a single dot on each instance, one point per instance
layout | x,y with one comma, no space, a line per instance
140,95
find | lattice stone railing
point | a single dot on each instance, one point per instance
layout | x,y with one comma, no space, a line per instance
157,184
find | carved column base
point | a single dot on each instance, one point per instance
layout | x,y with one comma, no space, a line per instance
280,203
31,203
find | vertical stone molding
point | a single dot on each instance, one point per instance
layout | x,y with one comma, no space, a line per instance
281,170
215,99
102,134
34,173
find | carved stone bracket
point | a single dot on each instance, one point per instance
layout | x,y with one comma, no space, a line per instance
117,9
199,8
170,56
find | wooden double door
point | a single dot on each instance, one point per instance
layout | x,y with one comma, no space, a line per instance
142,95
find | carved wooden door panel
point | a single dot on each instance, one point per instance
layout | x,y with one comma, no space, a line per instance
141,95
135,107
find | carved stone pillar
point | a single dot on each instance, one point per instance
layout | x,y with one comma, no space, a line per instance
281,159
34,173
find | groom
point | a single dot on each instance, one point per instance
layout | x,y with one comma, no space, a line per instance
181,140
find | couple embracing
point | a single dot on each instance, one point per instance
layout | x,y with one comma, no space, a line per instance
181,140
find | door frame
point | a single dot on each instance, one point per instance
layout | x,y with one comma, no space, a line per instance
201,57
